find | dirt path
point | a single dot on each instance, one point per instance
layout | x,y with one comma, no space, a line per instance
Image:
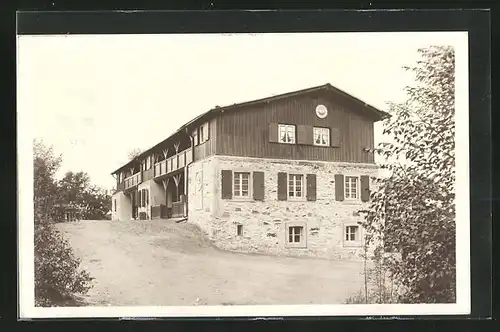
160,263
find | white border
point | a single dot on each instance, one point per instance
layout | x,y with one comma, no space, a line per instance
26,269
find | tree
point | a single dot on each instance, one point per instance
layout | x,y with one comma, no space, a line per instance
412,210
57,274
45,166
134,154
91,201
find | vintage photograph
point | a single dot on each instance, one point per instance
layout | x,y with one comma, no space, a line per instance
199,174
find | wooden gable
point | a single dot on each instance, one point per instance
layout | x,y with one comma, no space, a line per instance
253,131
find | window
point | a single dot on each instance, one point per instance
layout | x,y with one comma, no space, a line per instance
286,134
195,137
351,233
321,136
351,187
239,230
295,234
143,197
202,134
295,185
114,204
241,184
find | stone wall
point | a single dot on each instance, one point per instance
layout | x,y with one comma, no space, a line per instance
202,193
157,193
265,223
123,207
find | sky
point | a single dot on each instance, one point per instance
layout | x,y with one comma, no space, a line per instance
95,98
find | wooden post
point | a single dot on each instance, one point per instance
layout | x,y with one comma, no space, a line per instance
191,139
176,146
177,179
185,191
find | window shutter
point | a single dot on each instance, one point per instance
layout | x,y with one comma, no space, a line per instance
227,184
258,186
311,187
335,137
282,186
365,188
273,133
208,131
339,187
305,135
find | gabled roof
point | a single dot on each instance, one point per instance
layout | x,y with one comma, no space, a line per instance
376,113
371,111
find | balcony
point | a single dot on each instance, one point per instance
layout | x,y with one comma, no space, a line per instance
132,181
173,163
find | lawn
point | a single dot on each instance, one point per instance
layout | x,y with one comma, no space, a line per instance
163,263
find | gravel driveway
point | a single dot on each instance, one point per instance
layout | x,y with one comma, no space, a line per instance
163,263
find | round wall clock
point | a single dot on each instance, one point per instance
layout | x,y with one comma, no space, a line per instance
321,111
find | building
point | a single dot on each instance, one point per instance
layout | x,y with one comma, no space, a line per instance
67,212
285,174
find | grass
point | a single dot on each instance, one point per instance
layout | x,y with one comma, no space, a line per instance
162,263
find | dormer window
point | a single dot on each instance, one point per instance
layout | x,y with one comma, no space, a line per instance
286,133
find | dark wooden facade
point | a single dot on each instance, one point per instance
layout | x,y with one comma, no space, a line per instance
208,147
245,132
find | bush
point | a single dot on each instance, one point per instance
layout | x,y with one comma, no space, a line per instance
57,275
358,298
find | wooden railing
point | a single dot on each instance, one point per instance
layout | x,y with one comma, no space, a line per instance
173,163
132,180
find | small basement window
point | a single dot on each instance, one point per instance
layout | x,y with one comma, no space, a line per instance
239,230
295,234
352,235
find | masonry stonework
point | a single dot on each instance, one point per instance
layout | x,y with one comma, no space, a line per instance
265,223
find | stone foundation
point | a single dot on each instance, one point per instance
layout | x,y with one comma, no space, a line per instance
265,223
